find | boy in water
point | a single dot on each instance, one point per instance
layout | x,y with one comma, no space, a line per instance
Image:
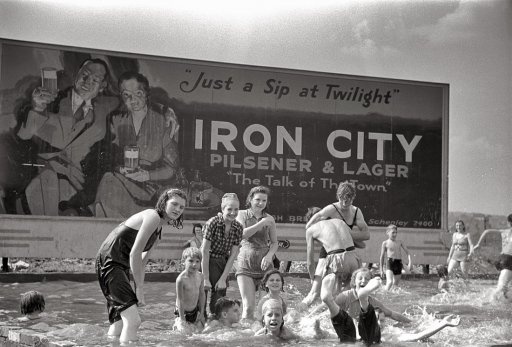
226,315
190,295
392,250
504,264
31,305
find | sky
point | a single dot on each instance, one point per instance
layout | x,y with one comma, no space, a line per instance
467,44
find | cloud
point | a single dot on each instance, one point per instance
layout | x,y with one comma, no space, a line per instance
469,22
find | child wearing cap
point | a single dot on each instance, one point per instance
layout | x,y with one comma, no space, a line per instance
221,241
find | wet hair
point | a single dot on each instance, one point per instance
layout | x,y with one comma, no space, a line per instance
162,203
442,270
194,226
228,197
191,252
267,275
31,302
390,227
222,305
346,190
270,303
462,222
354,274
311,212
256,190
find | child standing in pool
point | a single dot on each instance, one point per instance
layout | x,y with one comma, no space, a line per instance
461,249
221,241
190,296
504,264
258,246
127,249
391,252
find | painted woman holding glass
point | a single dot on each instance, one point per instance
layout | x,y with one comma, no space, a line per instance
144,135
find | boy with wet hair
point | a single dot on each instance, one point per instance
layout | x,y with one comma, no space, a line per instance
226,314
32,304
190,295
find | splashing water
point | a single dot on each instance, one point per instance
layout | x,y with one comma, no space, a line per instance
77,312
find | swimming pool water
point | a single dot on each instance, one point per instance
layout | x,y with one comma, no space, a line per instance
76,312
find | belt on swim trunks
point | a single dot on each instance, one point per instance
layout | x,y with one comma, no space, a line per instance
337,251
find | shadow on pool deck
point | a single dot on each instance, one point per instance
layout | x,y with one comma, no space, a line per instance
25,277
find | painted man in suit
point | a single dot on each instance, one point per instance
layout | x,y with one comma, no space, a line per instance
67,125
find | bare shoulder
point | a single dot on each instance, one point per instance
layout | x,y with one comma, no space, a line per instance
136,220
180,278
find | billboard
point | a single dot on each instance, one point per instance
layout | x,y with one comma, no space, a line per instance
212,128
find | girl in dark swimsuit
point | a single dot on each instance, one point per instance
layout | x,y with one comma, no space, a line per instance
127,248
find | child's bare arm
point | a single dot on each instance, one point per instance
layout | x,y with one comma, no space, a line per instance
471,246
320,215
382,256
487,231
390,313
364,292
180,290
259,308
202,298
205,264
452,248
408,254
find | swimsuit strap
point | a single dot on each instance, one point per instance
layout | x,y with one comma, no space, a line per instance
354,220
343,219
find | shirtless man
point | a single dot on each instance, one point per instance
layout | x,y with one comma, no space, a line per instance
352,216
341,260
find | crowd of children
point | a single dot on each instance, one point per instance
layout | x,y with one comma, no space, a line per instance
355,313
